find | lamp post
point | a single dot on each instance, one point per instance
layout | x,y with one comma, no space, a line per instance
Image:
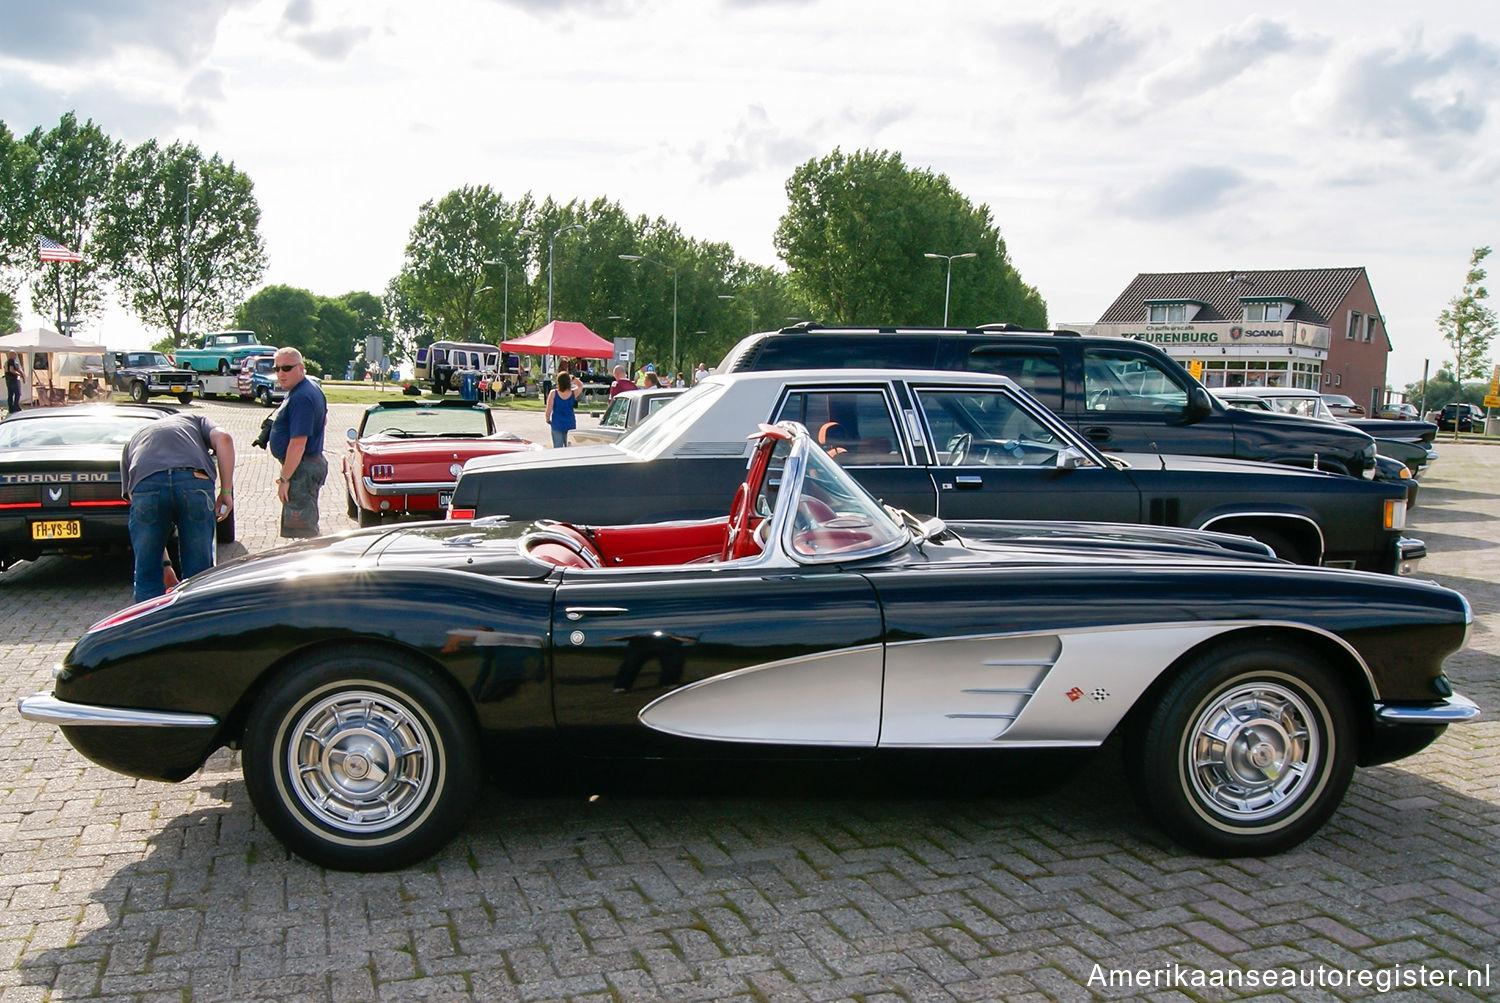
505,308
642,257
948,285
187,246
551,248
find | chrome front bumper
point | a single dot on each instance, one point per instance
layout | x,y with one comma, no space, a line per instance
1454,710
47,709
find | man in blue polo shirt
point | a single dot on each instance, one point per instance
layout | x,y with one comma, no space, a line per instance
297,441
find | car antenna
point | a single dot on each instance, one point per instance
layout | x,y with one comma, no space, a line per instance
1159,458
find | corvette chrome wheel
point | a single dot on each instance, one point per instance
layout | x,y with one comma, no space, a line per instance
1246,750
1251,750
361,760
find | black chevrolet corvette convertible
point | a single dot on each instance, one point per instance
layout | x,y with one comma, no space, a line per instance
369,678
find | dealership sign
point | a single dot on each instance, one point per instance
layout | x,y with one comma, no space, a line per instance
1217,334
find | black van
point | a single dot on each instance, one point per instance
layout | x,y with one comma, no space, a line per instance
1123,394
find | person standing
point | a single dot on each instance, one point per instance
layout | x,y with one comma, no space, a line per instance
12,382
167,475
560,413
700,373
297,442
621,383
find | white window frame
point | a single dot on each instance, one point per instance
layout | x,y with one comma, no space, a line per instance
1352,330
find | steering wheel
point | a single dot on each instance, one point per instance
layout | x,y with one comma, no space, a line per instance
958,448
738,541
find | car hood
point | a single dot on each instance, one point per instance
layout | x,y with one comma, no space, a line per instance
572,456
1388,428
457,448
155,369
1113,543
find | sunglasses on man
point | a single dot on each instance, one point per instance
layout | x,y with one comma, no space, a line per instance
286,369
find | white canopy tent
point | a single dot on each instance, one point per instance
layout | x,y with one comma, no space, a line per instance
43,341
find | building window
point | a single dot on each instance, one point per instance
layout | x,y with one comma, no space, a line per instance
1272,312
1353,330
1167,313
1370,328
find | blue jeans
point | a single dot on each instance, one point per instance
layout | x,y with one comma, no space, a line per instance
159,502
560,437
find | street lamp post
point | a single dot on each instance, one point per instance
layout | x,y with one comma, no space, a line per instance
551,248
505,306
642,257
948,285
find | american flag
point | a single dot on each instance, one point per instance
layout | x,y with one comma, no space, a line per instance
51,250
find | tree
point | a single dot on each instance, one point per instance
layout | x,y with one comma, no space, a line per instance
1467,325
62,191
409,327
10,313
17,182
855,236
446,255
284,316
181,235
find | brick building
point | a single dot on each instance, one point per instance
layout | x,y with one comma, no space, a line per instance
1311,327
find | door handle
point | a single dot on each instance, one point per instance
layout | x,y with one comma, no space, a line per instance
579,612
1099,433
968,482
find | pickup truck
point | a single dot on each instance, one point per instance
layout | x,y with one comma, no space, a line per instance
221,352
144,375
1123,395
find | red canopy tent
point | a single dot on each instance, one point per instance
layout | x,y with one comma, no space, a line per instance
566,338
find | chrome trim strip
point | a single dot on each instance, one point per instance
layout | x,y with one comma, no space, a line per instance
432,487
1454,709
1322,543
47,709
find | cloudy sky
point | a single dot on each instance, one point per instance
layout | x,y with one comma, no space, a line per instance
1107,140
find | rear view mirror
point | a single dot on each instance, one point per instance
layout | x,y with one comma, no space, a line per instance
1199,405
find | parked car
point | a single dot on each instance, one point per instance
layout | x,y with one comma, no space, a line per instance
1399,411
405,455
60,480
1311,404
144,375
1469,417
1120,393
1407,442
625,412
257,379
961,446
1343,406
375,674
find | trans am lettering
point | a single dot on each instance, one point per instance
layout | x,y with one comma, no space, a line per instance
59,478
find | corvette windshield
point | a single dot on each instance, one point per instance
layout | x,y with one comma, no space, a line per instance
835,517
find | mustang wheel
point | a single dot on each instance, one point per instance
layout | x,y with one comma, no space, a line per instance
1247,752
361,761
367,518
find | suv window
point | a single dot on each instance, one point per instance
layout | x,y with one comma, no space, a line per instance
854,426
1124,382
1038,371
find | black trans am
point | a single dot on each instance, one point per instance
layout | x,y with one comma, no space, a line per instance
368,678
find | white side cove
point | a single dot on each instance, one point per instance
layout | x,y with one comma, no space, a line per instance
995,691
832,698
1067,689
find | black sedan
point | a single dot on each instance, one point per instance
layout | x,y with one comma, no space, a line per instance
368,678
60,479
625,412
961,446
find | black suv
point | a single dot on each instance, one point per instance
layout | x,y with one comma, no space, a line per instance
1470,417
1125,395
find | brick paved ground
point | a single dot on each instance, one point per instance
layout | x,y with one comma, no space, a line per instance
130,890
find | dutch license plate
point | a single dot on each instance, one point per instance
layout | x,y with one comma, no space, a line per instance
56,529
445,499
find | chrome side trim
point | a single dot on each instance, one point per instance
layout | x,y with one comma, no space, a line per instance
47,709
832,698
1453,710
432,487
1322,543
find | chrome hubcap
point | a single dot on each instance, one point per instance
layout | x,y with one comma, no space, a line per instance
360,761
1252,751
